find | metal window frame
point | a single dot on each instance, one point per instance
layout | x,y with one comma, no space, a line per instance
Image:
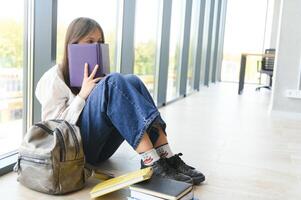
299,78
44,48
199,49
216,40
162,60
28,63
119,26
299,81
184,53
208,66
205,43
193,47
126,62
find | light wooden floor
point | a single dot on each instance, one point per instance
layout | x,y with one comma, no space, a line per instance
244,153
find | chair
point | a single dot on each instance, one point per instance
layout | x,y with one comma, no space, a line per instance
266,67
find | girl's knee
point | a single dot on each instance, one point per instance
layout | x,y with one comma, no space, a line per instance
121,78
133,79
115,77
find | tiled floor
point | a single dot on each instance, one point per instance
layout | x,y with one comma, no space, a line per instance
244,152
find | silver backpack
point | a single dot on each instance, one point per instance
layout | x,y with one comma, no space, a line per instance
51,158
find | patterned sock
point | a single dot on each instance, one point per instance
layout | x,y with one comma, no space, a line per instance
149,157
164,151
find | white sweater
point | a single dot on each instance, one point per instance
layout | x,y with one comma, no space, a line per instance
56,98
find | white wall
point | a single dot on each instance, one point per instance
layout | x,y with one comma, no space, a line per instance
288,50
275,23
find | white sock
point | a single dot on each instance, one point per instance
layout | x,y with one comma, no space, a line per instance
164,151
149,157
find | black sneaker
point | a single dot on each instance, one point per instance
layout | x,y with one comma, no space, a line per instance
162,169
177,163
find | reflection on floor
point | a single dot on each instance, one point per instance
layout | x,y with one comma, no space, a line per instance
245,153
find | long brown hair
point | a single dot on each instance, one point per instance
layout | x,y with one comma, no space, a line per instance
78,29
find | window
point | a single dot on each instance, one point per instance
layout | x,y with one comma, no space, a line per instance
244,33
176,31
193,44
11,75
104,12
146,23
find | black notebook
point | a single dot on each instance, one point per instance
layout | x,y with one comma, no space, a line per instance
163,188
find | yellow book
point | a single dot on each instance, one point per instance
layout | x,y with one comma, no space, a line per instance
120,182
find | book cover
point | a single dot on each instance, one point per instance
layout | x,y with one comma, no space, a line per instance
120,182
143,196
132,198
79,54
162,188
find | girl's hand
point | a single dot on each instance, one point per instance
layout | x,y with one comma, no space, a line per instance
88,82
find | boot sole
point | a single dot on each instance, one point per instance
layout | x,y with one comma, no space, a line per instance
198,179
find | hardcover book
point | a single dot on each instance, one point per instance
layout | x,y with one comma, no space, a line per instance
161,188
142,196
79,54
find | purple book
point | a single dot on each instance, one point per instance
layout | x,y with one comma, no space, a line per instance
79,54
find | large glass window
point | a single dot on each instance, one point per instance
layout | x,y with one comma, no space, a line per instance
104,12
146,23
176,31
244,33
193,44
11,74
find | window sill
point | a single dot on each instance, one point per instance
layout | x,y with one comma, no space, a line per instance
7,162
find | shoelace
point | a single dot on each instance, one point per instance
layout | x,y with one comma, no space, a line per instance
179,161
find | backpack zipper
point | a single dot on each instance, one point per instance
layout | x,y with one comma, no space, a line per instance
45,128
74,139
62,144
77,147
40,161
35,160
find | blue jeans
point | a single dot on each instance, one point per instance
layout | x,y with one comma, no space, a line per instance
118,108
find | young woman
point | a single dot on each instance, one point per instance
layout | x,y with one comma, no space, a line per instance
109,110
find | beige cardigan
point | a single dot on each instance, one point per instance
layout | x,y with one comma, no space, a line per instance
56,98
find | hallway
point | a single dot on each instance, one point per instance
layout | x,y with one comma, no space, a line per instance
244,153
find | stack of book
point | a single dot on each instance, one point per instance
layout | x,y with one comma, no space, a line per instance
158,188
142,185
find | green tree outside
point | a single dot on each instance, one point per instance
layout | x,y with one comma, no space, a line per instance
145,58
11,44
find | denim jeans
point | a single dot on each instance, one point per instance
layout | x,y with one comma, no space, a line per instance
118,108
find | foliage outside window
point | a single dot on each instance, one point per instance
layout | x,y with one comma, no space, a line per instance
146,23
11,75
